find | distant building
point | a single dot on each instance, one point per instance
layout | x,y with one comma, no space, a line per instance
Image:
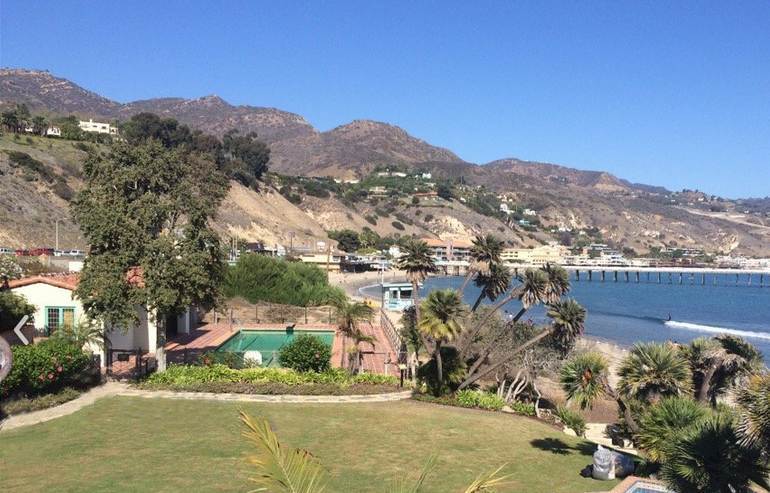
97,127
529,212
449,250
53,132
327,261
545,254
378,191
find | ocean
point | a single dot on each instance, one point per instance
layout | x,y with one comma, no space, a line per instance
627,312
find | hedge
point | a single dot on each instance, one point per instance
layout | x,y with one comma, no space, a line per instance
47,367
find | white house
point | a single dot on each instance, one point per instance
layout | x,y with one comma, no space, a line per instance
53,132
98,127
56,306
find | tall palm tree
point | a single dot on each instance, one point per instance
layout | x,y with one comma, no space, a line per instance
493,283
567,324
654,370
443,311
585,378
349,315
754,402
719,363
708,457
417,260
485,252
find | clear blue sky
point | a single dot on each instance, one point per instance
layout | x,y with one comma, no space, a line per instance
668,93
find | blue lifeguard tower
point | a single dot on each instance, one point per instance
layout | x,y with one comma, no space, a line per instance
396,296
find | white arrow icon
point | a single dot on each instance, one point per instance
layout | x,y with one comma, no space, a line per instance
17,329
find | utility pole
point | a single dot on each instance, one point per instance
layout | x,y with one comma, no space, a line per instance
57,234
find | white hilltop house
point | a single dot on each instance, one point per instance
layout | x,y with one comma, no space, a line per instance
56,306
97,127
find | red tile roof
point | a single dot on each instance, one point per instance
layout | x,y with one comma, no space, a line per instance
67,280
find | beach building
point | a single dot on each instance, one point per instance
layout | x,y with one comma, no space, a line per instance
97,127
552,253
397,296
329,261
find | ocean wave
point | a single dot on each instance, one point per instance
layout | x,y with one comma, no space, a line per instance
717,330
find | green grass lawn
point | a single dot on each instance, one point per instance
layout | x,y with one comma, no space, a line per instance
137,444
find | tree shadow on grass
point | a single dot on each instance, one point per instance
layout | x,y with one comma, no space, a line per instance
559,447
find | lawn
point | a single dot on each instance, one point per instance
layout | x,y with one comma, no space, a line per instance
138,444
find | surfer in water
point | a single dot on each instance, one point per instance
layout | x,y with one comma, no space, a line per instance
669,317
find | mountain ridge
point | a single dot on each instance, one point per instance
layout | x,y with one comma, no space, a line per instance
627,214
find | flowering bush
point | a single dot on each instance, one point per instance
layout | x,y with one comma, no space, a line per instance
47,367
306,353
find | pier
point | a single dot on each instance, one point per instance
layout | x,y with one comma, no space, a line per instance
660,275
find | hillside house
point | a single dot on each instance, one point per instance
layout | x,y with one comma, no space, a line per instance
97,127
53,132
56,306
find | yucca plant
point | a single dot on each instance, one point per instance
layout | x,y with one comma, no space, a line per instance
654,370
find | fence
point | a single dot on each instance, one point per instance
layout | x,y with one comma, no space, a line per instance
241,311
393,335
130,363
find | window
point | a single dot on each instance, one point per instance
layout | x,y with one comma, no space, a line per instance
57,317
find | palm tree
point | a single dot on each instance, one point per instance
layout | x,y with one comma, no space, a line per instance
584,379
485,252
84,333
720,362
653,370
535,287
349,315
411,338
708,457
754,402
417,260
493,283
662,421
355,355
443,311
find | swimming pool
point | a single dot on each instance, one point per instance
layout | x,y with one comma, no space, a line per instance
269,342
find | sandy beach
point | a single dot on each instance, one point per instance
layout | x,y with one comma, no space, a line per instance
352,282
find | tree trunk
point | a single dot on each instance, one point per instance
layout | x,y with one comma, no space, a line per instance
344,352
160,343
624,409
478,301
474,374
705,385
468,277
439,364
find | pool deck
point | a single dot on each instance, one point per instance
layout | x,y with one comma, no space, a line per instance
210,336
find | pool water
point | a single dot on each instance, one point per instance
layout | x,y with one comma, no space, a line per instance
269,342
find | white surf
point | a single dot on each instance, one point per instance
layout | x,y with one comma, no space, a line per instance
717,330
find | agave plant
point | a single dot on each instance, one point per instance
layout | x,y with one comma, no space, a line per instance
707,457
652,371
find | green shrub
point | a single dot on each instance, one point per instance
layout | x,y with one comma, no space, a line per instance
227,358
571,419
397,225
47,367
262,278
306,353
480,399
220,378
26,404
523,408
371,219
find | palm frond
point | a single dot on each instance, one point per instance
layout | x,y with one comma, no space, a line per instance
488,481
278,469
406,486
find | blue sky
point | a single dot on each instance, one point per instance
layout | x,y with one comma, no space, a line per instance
666,93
